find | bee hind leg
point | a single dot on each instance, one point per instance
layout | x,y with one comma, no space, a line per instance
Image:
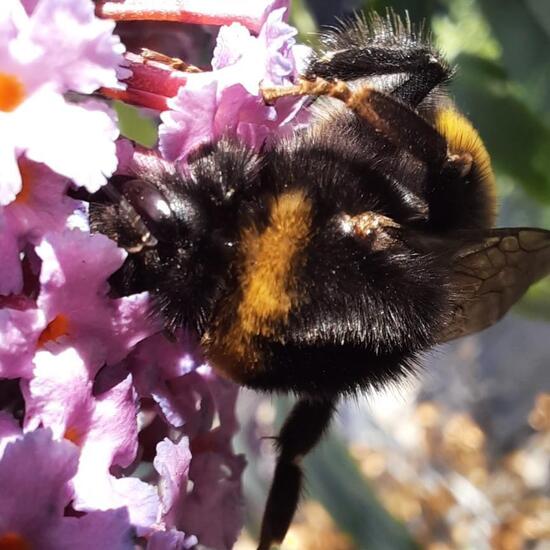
301,431
379,46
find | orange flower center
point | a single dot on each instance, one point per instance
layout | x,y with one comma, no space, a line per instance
56,328
72,435
12,92
28,177
13,541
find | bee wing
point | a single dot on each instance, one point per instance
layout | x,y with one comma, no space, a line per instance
492,274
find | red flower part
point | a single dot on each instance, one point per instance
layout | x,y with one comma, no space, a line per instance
150,85
139,98
250,13
153,76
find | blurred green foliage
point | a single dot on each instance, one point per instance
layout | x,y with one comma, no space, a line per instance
304,22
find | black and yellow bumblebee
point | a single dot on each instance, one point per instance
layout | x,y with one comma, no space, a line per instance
327,264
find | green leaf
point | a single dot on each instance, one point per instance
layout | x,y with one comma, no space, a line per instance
134,126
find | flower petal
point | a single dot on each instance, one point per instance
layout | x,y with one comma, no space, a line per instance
37,469
190,122
92,122
19,333
172,463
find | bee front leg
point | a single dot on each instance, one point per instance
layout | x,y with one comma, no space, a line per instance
391,118
301,431
173,62
381,46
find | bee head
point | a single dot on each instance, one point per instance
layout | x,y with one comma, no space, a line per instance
163,214
177,246
178,227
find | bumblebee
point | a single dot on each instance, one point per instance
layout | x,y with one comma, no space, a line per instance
328,263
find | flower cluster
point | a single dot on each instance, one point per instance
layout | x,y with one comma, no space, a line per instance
111,435
200,106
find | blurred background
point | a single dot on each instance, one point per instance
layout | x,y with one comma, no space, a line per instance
458,458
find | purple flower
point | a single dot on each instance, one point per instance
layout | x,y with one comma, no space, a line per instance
104,427
11,281
19,334
137,448
216,472
189,394
228,99
40,206
171,540
49,47
9,430
73,306
35,476
73,297
172,463
216,494
165,371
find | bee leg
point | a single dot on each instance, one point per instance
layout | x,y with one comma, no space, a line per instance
173,62
424,70
301,431
381,111
382,47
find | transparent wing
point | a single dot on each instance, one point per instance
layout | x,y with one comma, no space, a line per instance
491,275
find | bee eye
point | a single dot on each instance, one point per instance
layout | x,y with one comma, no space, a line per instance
149,203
